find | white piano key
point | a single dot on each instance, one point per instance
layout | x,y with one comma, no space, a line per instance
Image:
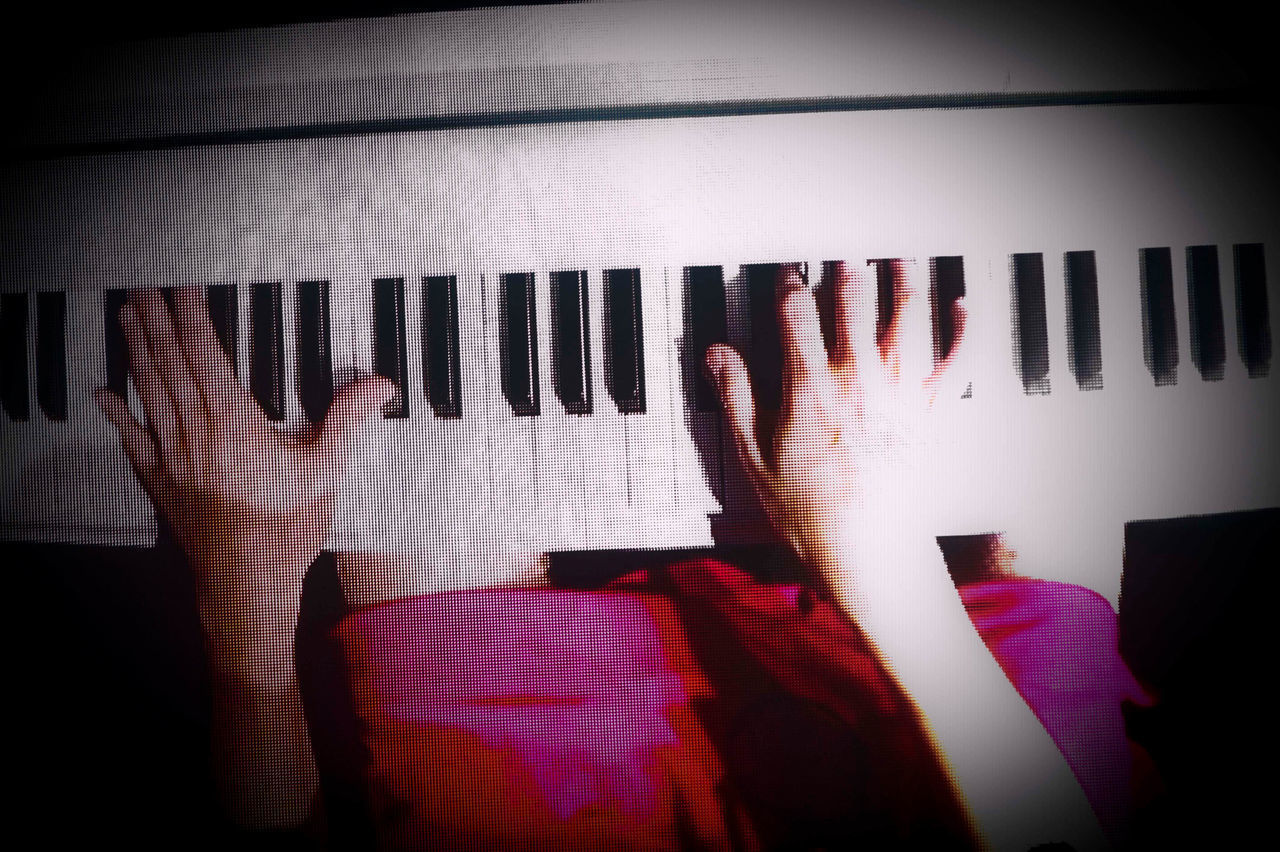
28,364
344,290
512,447
244,332
25,441
86,370
1270,259
1061,381
478,391
447,453
649,456
294,419
987,330
1120,316
1233,368
1186,368
557,443
606,481
420,414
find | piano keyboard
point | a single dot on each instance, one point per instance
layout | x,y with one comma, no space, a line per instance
541,296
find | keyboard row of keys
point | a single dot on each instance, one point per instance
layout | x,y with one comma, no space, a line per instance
707,307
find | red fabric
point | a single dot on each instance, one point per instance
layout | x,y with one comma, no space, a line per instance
698,710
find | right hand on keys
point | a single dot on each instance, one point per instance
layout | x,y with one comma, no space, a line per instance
249,505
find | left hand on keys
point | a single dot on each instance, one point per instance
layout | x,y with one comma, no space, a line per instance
250,506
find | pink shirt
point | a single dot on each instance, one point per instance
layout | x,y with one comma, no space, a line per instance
637,718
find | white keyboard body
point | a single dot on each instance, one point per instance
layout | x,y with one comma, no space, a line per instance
1063,470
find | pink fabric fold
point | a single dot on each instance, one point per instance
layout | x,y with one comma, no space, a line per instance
1057,643
574,683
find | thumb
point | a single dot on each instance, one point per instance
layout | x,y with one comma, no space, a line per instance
351,407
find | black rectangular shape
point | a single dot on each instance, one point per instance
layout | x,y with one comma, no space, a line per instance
13,356
824,296
706,324
1159,334
518,342
884,297
390,355
571,349
223,315
315,360
624,340
1253,320
764,355
1084,338
266,356
116,347
441,364
1030,331
51,354
946,285
1204,300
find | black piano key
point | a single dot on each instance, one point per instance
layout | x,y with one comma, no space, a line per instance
1084,339
824,295
884,297
764,355
266,356
624,340
519,343
1204,298
13,356
117,349
1253,321
51,354
946,285
1031,331
441,365
1159,334
223,312
315,361
706,324
571,352
390,355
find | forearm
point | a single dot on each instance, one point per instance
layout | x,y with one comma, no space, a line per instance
1015,784
262,760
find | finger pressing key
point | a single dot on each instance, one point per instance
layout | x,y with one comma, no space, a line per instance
949,378
905,346
729,375
214,376
915,339
151,390
804,357
137,444
171,364
855,321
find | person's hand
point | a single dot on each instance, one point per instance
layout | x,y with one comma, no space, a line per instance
851,436
250,506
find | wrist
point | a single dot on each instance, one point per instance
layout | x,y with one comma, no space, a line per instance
248,617
883,558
